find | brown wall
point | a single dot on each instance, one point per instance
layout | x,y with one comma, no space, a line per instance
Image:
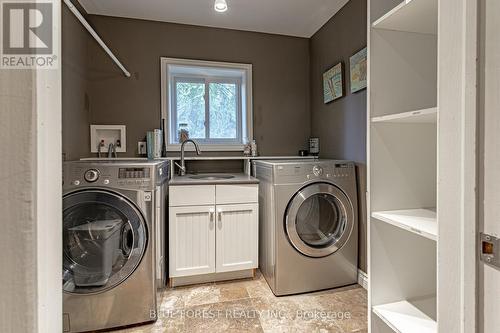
280,77
288,91
76,116
341,124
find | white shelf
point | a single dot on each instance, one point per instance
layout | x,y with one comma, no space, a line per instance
419,221
424,116
405,317
418,16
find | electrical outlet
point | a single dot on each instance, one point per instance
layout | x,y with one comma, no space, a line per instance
142,148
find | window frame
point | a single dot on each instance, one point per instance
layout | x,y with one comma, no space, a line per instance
206,71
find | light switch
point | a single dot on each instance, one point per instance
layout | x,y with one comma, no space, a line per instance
142,148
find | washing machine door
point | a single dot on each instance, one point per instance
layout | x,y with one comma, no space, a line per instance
104,240
319,220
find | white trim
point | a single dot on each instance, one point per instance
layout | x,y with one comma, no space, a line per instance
246,99
48,97
362,279
206,147
457,174
211,277
368,157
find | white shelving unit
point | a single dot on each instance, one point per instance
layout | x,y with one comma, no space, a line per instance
425,116
419,221
408,317
402,165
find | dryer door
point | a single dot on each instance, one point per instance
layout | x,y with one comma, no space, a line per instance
104,239
319,220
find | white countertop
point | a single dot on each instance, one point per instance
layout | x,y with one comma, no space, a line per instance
204,158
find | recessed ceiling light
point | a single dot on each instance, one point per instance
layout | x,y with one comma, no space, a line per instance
220,6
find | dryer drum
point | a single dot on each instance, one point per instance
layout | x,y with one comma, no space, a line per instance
319,219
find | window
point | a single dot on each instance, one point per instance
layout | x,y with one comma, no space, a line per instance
212,101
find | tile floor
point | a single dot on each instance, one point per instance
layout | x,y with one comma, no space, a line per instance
249,306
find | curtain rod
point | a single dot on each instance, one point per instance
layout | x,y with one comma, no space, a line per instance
94,34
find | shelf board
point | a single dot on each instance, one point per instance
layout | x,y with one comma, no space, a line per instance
424,116
419,221
418,16
405,317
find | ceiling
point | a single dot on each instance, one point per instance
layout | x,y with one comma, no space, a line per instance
301,18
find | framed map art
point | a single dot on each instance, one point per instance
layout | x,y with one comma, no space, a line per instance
333,83
358,71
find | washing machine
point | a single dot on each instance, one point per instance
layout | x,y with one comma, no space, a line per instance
113,242
308,224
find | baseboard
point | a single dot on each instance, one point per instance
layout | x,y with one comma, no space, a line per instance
212,277
362,279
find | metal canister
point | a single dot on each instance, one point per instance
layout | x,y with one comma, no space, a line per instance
314,146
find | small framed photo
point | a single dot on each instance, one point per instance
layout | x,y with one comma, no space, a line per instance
358,70
333,83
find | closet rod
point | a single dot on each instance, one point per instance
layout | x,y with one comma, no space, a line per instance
96,36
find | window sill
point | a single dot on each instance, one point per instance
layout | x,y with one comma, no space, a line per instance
213,147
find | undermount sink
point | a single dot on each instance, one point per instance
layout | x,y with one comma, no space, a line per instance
211,177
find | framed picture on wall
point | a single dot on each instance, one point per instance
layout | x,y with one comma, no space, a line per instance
357,64
333,83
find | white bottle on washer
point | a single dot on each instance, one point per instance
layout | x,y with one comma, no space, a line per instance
253,146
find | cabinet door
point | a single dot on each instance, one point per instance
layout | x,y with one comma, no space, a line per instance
192,240
237,237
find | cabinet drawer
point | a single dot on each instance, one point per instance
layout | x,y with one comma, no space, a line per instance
196,195
234,194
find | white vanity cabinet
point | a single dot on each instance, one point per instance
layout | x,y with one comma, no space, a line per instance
213,229
192,240
236,237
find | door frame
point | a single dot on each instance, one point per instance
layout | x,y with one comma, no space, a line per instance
47,95
457,165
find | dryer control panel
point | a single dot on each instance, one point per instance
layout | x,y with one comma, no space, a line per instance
303,172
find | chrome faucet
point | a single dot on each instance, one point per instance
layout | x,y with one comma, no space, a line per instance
182,166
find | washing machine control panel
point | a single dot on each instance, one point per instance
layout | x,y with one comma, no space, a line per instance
133,178
317,170
134,173
91,175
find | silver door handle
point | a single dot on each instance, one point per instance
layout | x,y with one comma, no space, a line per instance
212,212
219,213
